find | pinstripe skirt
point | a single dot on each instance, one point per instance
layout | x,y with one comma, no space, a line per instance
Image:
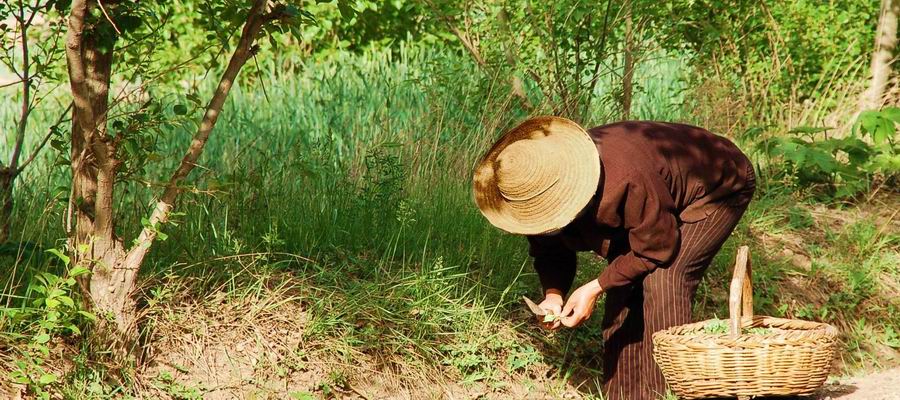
661,300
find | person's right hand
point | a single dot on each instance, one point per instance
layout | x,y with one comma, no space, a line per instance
553,303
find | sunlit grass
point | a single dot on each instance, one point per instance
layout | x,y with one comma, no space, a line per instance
352,175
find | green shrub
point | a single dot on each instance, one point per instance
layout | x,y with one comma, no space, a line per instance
837,167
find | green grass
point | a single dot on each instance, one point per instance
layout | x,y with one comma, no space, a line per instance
348,179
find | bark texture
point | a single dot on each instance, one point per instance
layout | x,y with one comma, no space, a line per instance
93,240
93,164
6,202
883,55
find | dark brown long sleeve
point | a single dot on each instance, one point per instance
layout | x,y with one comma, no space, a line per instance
554,263
639,204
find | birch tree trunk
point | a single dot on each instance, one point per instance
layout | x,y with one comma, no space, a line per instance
885,44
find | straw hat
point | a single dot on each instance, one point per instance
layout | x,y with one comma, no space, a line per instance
538,177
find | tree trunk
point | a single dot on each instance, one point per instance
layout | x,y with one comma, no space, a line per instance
7,178
94,242
885,43
9,174
628,73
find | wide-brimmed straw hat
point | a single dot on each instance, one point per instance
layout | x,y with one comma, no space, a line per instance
538,177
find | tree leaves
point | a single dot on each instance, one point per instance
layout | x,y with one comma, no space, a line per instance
346,9
59,254
129,23
180,109
879,125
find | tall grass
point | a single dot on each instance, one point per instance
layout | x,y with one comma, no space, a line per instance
353,172
367,153
358,166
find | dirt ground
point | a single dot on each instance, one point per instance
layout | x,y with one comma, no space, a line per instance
884,385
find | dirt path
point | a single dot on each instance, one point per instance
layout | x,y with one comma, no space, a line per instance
884,385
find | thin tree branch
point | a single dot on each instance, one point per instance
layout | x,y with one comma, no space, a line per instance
13,83
471,47
26,93
600,52
256,19
34,153
103,9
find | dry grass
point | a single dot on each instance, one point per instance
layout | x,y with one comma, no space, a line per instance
257,344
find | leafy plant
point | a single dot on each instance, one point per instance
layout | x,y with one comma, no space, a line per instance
838,167
469,359
382,183
178,391
54,312
522,357
880,127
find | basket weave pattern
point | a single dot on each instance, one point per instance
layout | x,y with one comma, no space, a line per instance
792,358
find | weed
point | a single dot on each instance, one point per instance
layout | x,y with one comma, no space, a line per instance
53,312
301,396
469,359
521,358
178,391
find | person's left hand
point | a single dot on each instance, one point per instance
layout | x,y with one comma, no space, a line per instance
581,304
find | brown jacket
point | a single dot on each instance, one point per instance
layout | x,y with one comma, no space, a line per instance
655,177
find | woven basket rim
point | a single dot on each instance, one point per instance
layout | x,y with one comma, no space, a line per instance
793,330
792,358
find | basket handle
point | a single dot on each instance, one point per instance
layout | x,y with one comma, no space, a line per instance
740,297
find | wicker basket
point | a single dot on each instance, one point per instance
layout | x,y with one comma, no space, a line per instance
792,358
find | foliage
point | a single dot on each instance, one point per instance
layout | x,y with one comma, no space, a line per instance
45,62
54,311
348,143
880,127
838,167
779,48
550,54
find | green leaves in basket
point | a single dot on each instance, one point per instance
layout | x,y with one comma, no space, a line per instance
716,326
720,327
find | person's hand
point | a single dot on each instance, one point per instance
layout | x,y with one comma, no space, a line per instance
581,304
553,302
